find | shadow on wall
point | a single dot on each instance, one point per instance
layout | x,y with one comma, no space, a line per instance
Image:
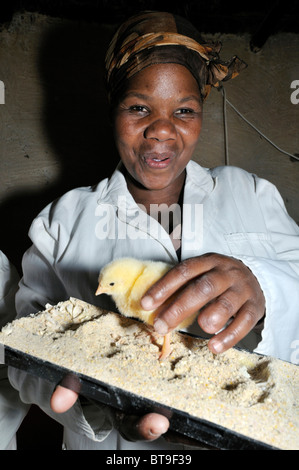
76,123
77,127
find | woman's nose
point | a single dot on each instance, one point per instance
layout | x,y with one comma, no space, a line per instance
160,129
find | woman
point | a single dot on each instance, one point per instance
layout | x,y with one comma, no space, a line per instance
236,261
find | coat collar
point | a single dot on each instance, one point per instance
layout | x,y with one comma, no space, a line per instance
198,186
198,179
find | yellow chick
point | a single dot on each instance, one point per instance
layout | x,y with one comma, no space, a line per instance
127,280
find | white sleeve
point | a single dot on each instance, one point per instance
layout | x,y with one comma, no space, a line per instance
12,410
39,391
278,278
40,285
9,279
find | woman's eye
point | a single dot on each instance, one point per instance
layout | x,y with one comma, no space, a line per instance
185,111
138,108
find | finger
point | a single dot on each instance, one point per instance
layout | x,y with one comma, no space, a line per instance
242,324
63,399
199,292
174,279
147,428
214,316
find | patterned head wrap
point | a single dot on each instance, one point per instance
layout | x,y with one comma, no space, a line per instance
156,37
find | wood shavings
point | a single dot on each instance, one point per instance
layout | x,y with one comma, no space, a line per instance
253,395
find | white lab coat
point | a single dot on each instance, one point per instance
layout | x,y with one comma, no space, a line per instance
12,410
242,216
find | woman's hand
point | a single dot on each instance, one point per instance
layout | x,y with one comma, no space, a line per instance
133,428
63,399
221,287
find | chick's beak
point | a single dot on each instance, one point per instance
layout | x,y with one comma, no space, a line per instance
100,290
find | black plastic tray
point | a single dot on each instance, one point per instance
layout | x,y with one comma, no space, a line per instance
203,431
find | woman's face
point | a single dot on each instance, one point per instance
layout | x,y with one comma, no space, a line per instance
157,125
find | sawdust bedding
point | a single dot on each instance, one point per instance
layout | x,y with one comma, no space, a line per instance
254,395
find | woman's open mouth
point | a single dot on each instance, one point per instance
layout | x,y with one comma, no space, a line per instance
158,161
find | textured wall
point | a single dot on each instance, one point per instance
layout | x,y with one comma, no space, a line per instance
54,125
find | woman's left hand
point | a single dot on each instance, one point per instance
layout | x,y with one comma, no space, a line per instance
221,287
133,428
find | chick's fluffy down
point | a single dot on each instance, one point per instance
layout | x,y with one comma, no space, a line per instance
127,280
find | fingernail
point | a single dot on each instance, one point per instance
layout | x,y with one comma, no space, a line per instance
154,434
217,346
162,430
161,327
147,302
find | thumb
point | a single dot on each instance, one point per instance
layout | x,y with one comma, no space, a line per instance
63,399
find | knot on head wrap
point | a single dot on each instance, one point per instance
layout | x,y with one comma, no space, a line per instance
156,37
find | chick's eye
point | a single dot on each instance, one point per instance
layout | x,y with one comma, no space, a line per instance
111,284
